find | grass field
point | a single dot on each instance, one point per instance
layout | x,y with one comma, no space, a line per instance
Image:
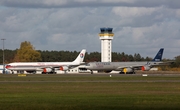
89,92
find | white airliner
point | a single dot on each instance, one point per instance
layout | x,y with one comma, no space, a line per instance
126,67
46,67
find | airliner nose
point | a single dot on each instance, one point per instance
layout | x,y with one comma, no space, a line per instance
8,66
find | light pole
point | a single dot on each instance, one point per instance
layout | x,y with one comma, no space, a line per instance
3,56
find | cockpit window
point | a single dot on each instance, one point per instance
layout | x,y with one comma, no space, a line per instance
8,66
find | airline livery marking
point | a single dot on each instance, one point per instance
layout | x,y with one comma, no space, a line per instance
81,55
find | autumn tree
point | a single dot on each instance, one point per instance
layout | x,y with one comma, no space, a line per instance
27,53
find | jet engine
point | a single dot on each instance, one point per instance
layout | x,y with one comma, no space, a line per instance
145,68
127,70
46,70
64,68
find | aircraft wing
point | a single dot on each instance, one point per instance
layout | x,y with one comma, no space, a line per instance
62,67
141,66
135,67
169,62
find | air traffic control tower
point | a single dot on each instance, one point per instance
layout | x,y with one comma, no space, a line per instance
106,36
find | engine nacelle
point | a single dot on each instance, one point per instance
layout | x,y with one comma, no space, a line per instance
145,68
46,70
64,68
127,70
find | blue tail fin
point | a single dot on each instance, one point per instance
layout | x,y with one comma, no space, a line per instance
159,55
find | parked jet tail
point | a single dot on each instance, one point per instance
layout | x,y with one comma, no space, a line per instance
159,55
80,57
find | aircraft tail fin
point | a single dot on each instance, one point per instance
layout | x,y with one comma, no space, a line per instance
80,57
159,55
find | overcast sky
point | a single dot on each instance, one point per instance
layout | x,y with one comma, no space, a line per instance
139,26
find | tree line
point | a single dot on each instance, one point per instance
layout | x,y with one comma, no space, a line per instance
59,56
27,53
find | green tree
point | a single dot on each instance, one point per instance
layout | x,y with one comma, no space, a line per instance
177,62
27,53
137,57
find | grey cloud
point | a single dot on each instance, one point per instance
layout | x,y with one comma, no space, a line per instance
49,28
87,3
